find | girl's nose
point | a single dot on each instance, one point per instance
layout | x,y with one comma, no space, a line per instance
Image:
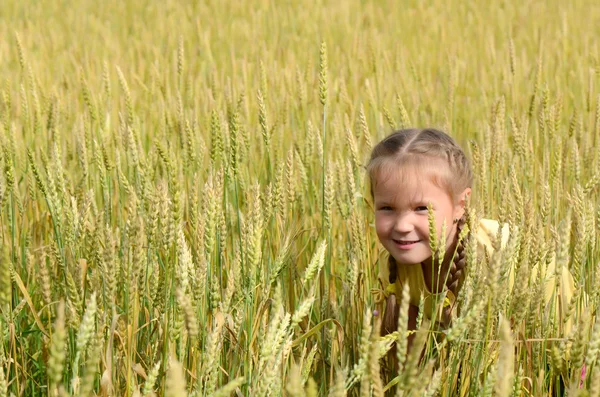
404,224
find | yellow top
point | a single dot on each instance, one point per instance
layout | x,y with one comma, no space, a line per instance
485,232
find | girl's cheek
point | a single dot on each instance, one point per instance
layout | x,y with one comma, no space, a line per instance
439,224
440,227
378,225
381,225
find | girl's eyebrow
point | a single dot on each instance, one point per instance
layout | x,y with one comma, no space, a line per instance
424,202
423,199
420,202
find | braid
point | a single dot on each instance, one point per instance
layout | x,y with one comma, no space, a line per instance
459,263
393,268
390,321
390,316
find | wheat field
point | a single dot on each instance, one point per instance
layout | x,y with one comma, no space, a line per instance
185,211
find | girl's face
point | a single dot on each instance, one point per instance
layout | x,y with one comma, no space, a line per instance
401,216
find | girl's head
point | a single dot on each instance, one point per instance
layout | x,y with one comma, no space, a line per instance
408,170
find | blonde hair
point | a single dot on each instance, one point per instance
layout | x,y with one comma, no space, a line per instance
423,150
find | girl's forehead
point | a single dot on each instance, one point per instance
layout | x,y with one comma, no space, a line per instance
402,177
407,183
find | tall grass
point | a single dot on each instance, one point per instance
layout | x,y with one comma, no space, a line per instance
184,208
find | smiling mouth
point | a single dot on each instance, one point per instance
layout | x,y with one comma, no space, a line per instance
406,242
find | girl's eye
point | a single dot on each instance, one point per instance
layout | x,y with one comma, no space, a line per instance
421,208
385,208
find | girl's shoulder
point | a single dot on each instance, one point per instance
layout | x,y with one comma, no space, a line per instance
487,231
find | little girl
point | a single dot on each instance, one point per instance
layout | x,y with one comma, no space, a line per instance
409,170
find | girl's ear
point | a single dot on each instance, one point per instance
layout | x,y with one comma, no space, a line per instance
463,198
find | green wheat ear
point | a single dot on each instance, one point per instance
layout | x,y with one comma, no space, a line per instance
433,237
323,74
441,243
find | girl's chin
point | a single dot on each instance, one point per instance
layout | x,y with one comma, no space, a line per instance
410,257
